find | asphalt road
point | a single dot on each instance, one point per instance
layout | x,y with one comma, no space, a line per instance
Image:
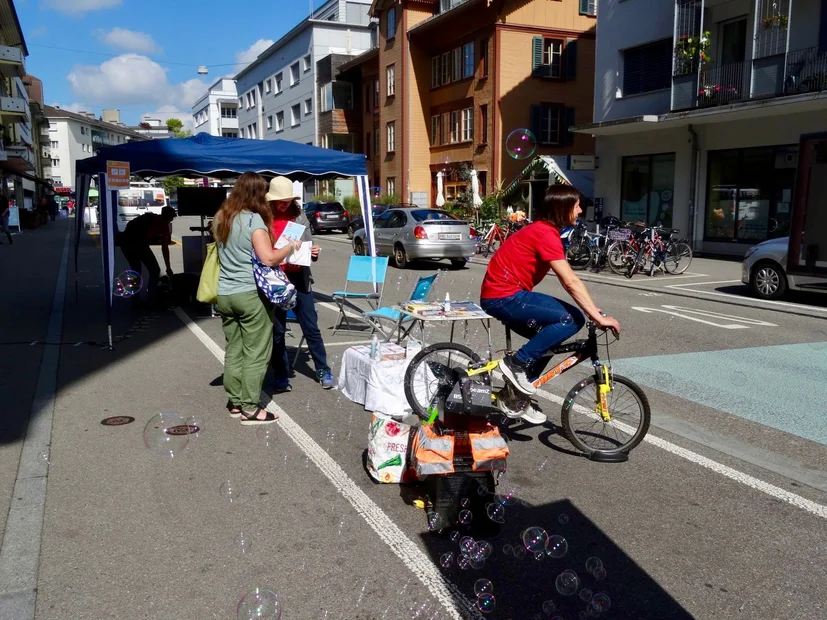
721,513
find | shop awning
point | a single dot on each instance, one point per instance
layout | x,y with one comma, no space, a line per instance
557,166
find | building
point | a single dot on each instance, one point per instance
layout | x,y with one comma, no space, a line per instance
277,91
35,188
698,112
216,112
78,135
450,80
152,128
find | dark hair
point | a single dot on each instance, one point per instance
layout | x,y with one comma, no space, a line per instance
168,213
557,206
247,195
293,211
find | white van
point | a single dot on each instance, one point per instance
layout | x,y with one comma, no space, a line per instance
140,198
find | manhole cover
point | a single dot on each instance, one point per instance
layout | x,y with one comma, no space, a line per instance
118,420
182,429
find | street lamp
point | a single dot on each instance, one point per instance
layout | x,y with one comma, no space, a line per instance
202,70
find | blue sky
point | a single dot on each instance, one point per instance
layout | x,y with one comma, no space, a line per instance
146,52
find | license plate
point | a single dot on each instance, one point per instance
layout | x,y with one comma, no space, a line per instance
331,217
450,236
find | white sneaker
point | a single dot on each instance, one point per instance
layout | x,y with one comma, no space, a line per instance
534,416
515,373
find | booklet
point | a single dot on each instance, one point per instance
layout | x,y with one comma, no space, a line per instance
293,231
302,257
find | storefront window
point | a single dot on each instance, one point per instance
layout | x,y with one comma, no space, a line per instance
647,194
749,193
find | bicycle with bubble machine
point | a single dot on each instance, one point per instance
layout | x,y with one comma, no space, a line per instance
605,415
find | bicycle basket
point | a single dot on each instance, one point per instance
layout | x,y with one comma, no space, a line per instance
620,234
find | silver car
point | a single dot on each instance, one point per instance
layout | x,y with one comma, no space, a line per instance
413,233
765,270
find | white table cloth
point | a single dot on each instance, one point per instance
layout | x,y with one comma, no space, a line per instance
379,385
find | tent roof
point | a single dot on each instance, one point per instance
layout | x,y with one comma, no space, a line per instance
206,155
582,180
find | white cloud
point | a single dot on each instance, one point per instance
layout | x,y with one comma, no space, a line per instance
38,32
251,53
73,107
78,7
132,79
129,40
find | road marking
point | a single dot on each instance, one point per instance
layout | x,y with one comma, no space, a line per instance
710,313
20,553
448,594
617,279
691,318
733,474
770,302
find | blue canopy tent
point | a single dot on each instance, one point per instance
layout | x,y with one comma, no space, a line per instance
205,155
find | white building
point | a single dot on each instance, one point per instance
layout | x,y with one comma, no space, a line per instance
153,128
74,136
698,110
216,112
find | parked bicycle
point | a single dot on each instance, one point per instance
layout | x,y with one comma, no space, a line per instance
495,236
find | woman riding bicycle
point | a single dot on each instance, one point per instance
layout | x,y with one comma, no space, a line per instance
520,265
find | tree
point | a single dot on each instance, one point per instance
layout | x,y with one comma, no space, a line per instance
177,128
171,183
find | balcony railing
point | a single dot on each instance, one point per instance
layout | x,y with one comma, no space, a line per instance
805,71
11,61
720,85
13,105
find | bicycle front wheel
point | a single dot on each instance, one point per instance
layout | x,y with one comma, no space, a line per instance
491,247
618,257
590,433
432,373
678,258
579,254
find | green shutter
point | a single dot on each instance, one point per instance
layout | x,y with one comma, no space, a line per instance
571,59
537,55
568,135
537,121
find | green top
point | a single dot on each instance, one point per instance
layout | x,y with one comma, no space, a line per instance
236,272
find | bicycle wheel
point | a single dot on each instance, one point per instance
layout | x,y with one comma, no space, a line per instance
432,374
491,247
579,254
678,257
618,257
586,429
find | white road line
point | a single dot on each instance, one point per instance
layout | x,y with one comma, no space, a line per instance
733,474
447,593
770,302
704,283
655,283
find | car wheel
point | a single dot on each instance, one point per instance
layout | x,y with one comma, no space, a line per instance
349,233
458,263
400,257
314,230
768,281
358,247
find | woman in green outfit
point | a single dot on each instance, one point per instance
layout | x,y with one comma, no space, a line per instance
244,222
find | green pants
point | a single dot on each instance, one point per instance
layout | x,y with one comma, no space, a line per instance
247,320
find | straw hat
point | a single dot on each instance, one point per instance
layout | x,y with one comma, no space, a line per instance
281,188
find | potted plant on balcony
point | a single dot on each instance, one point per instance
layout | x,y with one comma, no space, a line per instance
691,49
776,20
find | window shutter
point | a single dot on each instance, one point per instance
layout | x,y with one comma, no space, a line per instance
568,135
571,58
537,122
537,55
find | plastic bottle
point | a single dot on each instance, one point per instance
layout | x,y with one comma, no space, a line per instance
374,347
446,305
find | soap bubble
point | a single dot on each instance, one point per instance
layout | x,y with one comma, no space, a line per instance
465,517
585,595
44,457
259,604
549,607
486,603
167,434
539,555
465,502
485,548
127,284
230,492
520,144
483,586
592,563
466,545
454,536
567,320
601,599
267,435
445,164
535,539
557,546
496,512
509,498
508,549
519,552
583,615
243,544
567,582
463,562
446,560
599,573
563,519
434,521
195,424
593,610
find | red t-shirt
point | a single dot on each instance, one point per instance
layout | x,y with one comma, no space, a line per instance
523,261
279,224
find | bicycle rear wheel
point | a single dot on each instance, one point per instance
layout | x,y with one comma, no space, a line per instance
586,429
432,374
579,254
678,257
618,256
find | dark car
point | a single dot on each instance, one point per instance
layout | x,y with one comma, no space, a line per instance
359,222
326,216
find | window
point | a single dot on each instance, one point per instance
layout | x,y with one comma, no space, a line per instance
454,125
550,123
436,130
229,112
229,134
308,63
249,101
391,185
279,80
55,162
367,145
268,86
435,72
588,7
483,133
468,60
254,130
553,57
446,68
241,101
54,144
253,93
294,74
391,76
391,137
391,24
467,124
83,131
647,68
646,193
270,121
484,58
308,107
279,121
295,115
368,92
456,64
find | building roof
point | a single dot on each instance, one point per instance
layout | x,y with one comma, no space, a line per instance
55,113
440,17
10,25
358,60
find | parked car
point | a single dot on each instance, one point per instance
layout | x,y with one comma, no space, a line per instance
359,222
326,216
407,234
765,270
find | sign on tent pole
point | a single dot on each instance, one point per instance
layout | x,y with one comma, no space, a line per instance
117,174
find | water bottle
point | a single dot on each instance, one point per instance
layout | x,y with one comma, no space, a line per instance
374,347
446,305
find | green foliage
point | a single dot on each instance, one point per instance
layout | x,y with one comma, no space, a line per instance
352,206
171,183
176,126
490,209
387,199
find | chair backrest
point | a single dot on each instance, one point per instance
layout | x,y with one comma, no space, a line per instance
423,288
369,269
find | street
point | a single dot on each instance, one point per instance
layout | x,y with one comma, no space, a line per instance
720,513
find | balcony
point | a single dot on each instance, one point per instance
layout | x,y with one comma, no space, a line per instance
16,106
805,71
12,62
21,152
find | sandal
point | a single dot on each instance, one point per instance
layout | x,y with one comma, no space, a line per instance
235,412
252,419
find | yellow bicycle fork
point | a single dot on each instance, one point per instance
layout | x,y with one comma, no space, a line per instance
604,386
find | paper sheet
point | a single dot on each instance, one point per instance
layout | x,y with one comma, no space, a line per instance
293,231
302,257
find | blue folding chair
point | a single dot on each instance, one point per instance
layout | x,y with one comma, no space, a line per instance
421,290
364,270
292,318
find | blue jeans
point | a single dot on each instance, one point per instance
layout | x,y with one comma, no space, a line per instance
305,311
539,318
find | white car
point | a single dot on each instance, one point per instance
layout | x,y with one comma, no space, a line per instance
765,270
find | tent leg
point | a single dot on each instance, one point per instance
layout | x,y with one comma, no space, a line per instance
109,332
